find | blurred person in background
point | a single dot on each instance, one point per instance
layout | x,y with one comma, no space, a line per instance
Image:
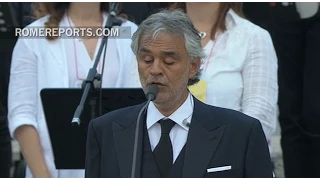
5,139
58,62
6,46
135,11
240,70
23,12
295,29
139,11
311,98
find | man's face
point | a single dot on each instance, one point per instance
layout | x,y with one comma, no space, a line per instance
164,61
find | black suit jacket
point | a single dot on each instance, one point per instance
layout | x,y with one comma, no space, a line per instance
217,137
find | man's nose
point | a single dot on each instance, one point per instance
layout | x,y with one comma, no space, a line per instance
156,68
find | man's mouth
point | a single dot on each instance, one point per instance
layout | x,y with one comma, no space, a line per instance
156,83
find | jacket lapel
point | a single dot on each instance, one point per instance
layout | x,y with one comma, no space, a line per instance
124,142
203,140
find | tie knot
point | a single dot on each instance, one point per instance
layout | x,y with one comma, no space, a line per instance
166,125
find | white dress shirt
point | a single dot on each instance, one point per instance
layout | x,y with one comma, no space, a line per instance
178,133
241,73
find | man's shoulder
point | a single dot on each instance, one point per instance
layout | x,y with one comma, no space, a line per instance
229,117
235,123
123,117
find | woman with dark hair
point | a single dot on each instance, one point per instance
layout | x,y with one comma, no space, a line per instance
240,70
60,62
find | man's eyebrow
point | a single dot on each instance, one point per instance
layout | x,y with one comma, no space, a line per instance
170,53
164,53
143,49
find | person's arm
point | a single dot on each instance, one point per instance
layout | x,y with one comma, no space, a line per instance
22,107
93,154
28,139
260,81
257,161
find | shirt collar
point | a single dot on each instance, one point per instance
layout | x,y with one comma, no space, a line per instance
184,112
232,19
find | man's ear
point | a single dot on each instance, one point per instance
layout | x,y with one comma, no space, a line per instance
194,67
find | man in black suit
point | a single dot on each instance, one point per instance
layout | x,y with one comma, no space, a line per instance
179,135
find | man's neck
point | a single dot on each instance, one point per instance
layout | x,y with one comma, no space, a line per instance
85,12
171,107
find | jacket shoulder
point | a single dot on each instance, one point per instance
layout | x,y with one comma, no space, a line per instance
123,117
235,120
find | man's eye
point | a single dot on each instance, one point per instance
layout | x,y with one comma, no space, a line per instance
148,61
169,63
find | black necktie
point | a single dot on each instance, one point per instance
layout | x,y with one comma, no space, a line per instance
163,153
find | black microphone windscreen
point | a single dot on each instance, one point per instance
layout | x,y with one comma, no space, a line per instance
152,92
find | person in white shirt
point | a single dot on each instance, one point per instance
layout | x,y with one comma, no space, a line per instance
59,62
240,68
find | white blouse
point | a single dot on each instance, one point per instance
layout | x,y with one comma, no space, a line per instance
241,73
38,63
79,61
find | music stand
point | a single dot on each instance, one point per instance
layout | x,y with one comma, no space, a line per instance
68,142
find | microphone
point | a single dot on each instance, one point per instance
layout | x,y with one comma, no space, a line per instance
151,95
152,92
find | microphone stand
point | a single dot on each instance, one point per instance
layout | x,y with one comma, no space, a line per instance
93,76
150,95
136,138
